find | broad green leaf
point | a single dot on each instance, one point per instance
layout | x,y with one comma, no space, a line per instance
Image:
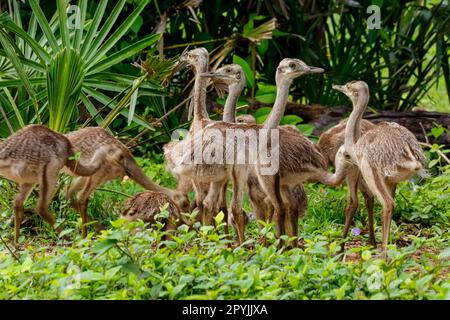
262,111
219,218
136,26
103,246
291,119
247,70
267,98
306,128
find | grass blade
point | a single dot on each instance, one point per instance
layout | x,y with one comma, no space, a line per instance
124,53
93,28
104,31
45,26
117,35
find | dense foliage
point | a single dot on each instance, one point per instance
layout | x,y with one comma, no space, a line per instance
402,60
122,76
129,261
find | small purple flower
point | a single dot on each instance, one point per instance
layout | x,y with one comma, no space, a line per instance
356,231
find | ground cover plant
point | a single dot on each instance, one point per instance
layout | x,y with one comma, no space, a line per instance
132,261
123,76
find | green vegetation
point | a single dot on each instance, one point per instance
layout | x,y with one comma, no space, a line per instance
129,261
113,65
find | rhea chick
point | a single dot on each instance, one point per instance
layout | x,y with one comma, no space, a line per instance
385,155
87,141
146,205
35,155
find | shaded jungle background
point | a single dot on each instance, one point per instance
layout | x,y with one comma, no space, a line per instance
405,61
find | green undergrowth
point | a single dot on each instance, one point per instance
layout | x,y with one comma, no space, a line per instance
134,261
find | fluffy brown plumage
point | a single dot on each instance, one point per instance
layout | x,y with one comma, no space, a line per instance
35,144
297,153
329,143
401,153
86,141
332,139
36,155
147,204
294,198
385,155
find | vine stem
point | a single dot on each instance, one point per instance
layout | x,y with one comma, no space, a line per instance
9,249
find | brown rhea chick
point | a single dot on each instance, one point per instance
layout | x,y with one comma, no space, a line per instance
385,155
35,155
147,205
86,141
209,201
185,184
332,139
232,77
329,143
198,60
294,197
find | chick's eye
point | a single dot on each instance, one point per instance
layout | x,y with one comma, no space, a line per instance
238,76
228,70
292,65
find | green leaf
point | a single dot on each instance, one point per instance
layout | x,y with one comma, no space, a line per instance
306,128
96,20
291,119
64,80
131,268
103,246
122,103
432,163
14,106
366,255
263,111
45,26
133,100
267,98
137,24
79,31
123,54
117,35
90,275
110,273
6,22
9,47
100,97
247,70
63,28
105,30
219,218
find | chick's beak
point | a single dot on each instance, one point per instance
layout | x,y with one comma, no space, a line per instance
315,70
214,74
338,88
